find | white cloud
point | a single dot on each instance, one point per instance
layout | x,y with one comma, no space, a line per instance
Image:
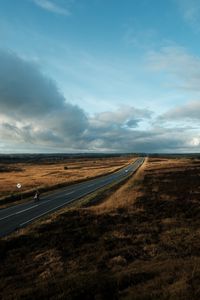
125,116
51,6
195,141
181,69
140,38
190,10
189,112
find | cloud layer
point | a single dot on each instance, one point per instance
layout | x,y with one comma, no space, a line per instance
189,112
35,116
32,108
182,68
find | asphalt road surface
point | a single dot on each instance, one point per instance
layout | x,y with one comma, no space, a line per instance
20,215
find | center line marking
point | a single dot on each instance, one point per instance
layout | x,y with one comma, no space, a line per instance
46,212
19,212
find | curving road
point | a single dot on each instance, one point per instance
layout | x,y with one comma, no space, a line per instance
18,216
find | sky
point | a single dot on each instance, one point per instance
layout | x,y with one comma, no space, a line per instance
99,76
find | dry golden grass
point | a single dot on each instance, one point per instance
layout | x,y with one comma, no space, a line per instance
32,176
124,196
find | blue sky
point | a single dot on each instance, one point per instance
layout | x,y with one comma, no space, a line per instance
124,75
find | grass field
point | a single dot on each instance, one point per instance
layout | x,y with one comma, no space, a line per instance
38,176
141,242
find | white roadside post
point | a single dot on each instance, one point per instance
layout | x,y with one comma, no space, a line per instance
19,187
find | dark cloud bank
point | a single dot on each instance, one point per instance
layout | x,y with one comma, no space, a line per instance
35,116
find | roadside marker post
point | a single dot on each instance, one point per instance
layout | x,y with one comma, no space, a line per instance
19,187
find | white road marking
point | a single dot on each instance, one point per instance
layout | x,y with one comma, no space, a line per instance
19,212
41,203
69,193
59,196
46,212
90,185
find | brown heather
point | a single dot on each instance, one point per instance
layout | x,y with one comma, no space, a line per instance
142,242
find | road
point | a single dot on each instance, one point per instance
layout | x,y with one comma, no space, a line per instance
18,216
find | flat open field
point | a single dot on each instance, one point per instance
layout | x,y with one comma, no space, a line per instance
142,242
47,174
